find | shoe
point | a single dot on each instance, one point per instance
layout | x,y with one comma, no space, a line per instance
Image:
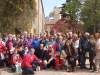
85,67
69,70
73,70
89,69
56,69
61,68
23,73
95,71
81,67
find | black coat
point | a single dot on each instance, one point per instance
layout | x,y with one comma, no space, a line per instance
22,53
42,54
91,49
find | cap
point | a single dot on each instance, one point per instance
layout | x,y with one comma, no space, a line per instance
86,33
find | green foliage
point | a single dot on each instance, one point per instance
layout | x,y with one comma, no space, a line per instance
90,15
16,14
71,8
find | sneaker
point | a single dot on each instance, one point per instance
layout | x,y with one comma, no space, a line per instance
95,71
90,69
69,70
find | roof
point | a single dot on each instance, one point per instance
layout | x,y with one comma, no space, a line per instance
49,21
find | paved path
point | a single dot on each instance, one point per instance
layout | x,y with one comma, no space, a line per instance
7,71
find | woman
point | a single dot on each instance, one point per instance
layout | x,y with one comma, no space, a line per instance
43,41
10,45
15,60
97,58
75,41
58,47
92,53
2,52
50,57
70,51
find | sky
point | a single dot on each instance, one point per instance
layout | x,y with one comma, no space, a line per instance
50,4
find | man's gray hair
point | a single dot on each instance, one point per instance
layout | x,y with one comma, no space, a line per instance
32,49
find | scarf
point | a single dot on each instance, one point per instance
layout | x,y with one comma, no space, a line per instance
10,44
16,57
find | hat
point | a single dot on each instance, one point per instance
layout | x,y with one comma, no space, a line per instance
86,33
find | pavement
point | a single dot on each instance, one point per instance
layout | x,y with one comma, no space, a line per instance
78,71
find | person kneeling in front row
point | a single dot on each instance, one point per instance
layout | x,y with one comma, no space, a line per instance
27,62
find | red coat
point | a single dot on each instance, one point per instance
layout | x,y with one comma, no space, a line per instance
2,48
12,62
27,61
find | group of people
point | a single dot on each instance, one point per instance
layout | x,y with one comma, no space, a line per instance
48,50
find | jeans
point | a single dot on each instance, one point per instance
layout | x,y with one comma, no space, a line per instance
52,63
91,58
27,71
97,61
13,67
82,60
71,62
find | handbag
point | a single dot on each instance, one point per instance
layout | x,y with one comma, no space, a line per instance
18,68
63,54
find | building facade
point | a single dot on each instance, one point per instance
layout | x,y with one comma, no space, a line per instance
54,16
38,24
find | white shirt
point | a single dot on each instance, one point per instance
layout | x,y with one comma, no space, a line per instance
76,44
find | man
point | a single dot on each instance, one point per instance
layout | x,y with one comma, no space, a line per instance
83,43
42,54
27,62
36,43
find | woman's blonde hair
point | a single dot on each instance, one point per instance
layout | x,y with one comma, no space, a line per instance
92,38
75,36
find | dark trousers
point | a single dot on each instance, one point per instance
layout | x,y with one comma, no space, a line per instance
13,68
71,62
27,71
82,60
52,64
91,58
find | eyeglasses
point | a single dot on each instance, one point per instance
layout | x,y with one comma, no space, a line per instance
50,47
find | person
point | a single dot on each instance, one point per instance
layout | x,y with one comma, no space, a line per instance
92,53
97,58
70,52
83,43
50,57
75,41
29,41
36,43
5,37
57,52
27,62
15,60
51,40
2,52
43,41
42,55
24,51
10,45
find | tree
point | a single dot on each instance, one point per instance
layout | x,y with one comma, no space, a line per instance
90,15
16,14
71,9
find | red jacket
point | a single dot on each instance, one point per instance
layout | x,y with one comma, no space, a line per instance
12,62
27,61
2,48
